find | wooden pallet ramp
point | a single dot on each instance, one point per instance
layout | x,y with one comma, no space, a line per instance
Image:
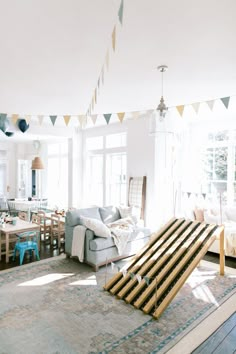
154,276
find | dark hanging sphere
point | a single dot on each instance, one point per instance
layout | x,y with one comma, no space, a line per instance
23,126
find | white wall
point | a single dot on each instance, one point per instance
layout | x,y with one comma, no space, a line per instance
140,155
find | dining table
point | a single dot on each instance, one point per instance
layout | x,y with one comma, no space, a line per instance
9,231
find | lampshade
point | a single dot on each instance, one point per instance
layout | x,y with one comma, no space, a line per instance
37,164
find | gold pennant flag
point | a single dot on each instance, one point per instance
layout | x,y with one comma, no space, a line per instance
196,106
210,104
15,118
40,119
114,38
95,95
27,118
66,119
121,116
180,109
94,118
107,59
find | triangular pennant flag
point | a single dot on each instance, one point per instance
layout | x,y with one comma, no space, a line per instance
82,120
107,59
15,118
40,119
92,104
120,12
147,280
53,119
112,265
121,116
118,268
3,122
27,118
139,278
188,193
196,106
66,119
124,271
225,101
107,117
131,275
94,118
180,109
102,75
95,95
210,104
204,195
114,38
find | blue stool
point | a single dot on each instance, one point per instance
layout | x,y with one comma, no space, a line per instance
27,241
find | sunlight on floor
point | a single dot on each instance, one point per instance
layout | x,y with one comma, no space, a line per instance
89,281
46,279
201,291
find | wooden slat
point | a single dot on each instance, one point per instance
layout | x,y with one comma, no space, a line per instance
151,303
139,255
167,268
166,261
183,278
162,255
146,256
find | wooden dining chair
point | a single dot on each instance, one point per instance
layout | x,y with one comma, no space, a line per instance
45,225
57,229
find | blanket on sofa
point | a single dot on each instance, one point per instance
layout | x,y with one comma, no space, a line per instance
121,231
78,242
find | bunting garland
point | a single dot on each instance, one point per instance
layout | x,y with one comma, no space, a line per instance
83,119
100,79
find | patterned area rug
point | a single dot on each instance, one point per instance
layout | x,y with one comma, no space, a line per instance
59,306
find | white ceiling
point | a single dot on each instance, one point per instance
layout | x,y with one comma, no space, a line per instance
52,52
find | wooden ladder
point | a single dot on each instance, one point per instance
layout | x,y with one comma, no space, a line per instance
154,276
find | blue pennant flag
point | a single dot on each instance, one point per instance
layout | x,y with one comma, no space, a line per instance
53,119
147,280
107,117
120,12
225,101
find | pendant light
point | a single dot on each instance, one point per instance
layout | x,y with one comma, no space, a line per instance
161,108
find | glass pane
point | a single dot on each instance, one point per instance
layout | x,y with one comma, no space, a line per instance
94,143
115,140
94,180
222,135
116,179
221,155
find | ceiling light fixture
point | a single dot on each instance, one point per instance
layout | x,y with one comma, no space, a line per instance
161,108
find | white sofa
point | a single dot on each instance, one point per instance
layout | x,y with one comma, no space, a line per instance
227,217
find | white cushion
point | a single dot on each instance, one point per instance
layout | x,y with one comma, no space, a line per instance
130,211
211,218
96,226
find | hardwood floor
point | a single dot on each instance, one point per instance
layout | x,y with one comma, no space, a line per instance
223,340
46,251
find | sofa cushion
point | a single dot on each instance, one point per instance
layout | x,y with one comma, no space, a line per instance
109,214
97,226
73,216
231,213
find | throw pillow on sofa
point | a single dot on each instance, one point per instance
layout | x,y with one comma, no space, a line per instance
96,226
130,211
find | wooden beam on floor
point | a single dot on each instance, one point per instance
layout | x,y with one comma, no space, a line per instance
160,269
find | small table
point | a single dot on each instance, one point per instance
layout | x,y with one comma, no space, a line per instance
9,229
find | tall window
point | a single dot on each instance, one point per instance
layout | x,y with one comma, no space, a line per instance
57,172
219,159
105,178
